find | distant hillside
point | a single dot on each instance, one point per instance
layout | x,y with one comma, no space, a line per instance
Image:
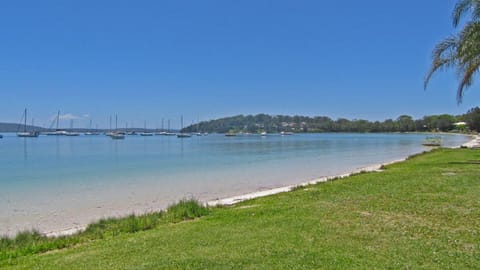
11,127
278,123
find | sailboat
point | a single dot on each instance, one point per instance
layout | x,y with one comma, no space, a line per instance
145,133
71,132
169,132
163,132
116,135
181,134
25,133
57,131
90,132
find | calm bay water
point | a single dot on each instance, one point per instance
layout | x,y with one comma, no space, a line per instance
55,183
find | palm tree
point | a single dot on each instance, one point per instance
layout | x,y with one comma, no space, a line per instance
461,51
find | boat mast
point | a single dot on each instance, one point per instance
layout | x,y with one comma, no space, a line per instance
116,122
25,126
181,124
58,118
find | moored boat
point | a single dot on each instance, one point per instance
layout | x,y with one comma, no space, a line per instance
117,136
145,132
181,134
25,133
432,141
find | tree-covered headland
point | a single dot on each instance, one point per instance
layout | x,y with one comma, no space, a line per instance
278,123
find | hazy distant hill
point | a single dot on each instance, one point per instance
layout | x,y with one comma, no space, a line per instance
10,127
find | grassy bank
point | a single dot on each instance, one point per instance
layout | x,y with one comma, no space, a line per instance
422,213
32,242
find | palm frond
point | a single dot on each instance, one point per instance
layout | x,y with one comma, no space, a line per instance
444,56
468,43
464,6
467,78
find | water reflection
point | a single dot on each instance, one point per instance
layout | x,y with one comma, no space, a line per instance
25,151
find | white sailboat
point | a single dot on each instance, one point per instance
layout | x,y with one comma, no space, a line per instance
169,132
116,135
163,132
25,133
90,132
145,133
181,134
57,132
71,132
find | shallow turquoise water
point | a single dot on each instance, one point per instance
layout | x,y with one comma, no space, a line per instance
100,176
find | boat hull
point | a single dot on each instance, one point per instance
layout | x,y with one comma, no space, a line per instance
28,134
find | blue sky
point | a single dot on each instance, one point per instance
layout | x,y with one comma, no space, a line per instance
148,60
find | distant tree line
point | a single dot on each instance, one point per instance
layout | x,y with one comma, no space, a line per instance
278,123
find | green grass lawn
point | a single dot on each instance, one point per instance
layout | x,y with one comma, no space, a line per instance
420,214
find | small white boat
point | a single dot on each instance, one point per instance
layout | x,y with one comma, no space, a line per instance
72,133
230,134
285,133
432,141
183,135
263,134
56,133
117,136
145,133
28,134
91,133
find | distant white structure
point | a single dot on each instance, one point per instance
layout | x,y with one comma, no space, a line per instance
460,124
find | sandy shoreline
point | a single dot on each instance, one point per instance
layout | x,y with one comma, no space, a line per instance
473,143
240,198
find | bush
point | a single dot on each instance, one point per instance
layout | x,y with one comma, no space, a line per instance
185,210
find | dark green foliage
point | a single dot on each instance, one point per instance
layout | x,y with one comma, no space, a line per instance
472,117
278,123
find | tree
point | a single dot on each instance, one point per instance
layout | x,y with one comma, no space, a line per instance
461,51
405,123
472,117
